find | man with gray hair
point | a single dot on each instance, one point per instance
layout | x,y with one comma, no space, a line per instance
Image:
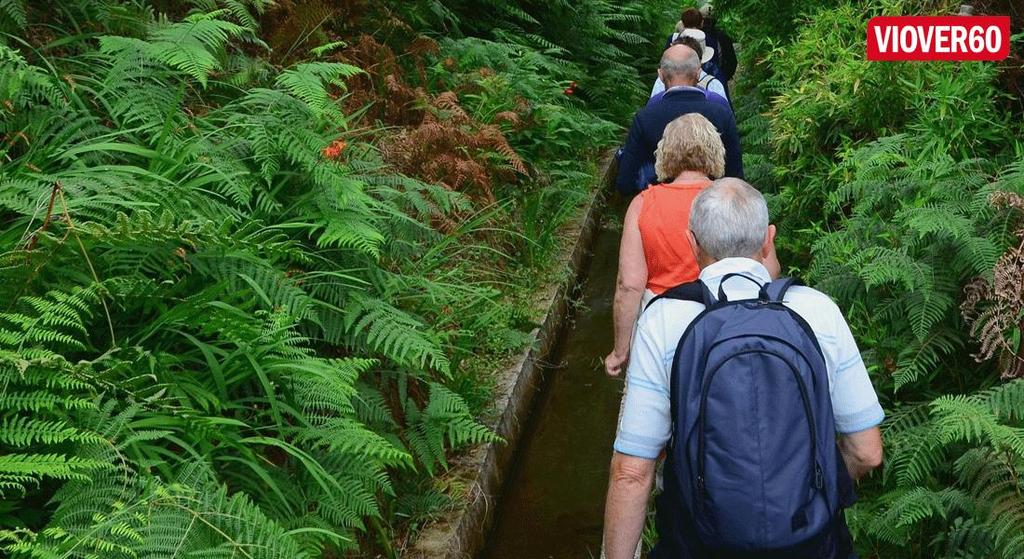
690,398
679,69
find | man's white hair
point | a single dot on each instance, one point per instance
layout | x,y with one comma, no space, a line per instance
680,65
729,219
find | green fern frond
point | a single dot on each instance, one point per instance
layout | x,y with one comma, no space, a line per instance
395,334
309,82
1007,400
14,12
191,45
54,466
21,83
920,359
968,419
24,431
446,417
351,229
54,321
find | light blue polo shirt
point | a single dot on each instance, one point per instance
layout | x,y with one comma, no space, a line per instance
645,424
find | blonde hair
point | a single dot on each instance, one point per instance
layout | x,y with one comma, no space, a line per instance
690,143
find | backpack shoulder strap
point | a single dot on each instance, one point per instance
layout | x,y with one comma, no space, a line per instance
705,81
694,291
777,289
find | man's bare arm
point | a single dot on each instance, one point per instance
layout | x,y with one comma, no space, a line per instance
625,511
862,451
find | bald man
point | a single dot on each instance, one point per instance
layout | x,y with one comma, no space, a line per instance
679,69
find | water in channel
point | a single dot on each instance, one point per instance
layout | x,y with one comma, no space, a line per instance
554,501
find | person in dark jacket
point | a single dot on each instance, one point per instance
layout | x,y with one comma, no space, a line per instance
725,51
679,69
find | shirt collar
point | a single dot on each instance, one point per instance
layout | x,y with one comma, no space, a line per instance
746,266
684,88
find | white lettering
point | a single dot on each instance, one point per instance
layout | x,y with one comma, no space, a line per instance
883,43
953,39
994,39
926,38
977,38
959,38
908,38
942,38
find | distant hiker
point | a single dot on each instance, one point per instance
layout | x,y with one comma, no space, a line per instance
725,51
693,19
694,39
721,41
690,18
679,70
744,382
654,255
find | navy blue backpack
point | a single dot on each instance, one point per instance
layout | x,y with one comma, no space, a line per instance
711,40
753,469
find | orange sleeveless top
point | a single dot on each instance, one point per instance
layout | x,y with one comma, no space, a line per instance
664,219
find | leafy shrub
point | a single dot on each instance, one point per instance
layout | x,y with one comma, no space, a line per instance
883,178
254,276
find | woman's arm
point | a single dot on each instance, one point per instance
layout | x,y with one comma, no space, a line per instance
629,289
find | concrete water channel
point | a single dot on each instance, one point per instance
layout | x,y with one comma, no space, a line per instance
553,502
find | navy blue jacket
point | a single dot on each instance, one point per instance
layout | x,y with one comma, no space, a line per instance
649,126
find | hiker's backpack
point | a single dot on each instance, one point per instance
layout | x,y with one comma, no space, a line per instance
646,176
753,459
711,73
711,40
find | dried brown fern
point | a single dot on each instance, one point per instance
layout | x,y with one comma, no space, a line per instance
996,308
419,48
452,148
380,90
510,117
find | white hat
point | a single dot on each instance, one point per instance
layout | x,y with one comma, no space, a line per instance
701,38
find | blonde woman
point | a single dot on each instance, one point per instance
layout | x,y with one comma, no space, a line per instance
654,255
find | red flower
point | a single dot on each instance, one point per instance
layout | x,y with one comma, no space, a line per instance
569,91
333,151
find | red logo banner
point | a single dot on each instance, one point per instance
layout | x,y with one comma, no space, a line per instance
948,38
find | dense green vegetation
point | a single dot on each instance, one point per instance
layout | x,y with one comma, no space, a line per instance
259,259
899,190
